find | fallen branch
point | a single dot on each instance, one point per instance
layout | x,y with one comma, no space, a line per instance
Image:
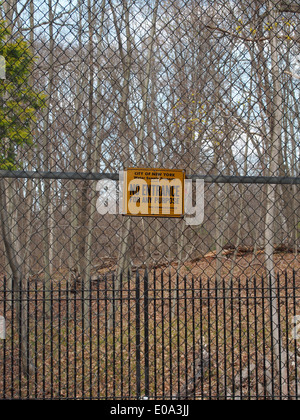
198,370
239,381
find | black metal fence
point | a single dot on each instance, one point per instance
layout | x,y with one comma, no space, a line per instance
154,337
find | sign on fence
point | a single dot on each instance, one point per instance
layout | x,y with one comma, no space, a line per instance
154,192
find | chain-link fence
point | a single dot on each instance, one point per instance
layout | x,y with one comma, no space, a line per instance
99,305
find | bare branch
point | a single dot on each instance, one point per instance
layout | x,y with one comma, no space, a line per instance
289,6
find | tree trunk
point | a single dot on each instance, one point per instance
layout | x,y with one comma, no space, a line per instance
45,186
126,59
18,283
275,150
73,260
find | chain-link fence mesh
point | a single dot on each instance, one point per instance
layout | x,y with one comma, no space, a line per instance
95,304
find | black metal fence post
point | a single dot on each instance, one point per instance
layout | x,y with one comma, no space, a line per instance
146,333
138,336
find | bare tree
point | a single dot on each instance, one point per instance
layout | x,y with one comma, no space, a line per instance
275,150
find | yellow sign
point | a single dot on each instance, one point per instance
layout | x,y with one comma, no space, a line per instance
154,192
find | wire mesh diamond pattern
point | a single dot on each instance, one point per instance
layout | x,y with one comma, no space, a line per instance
101,305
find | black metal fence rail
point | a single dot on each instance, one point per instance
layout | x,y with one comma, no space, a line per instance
89,176
153,336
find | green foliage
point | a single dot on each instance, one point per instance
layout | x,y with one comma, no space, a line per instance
19,101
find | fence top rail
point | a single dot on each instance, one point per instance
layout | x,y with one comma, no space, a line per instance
90,176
